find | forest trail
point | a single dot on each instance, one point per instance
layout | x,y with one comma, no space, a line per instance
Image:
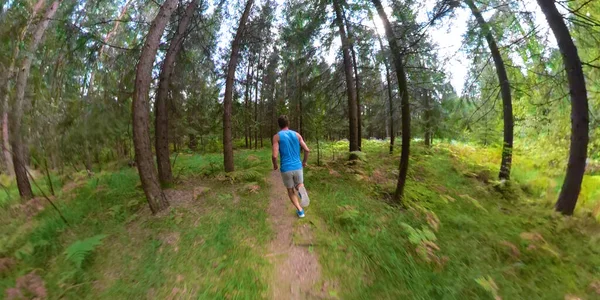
297,270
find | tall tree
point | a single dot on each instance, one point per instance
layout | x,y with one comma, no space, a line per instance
18,149
163,160
352,40
388,79
229,81
141,111
256,122
567,200
8,76
403,88
427,117
507,148
247,103
349,72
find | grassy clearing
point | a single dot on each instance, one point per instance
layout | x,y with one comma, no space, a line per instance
207,248
460,237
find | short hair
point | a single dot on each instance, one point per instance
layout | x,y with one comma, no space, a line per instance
283,121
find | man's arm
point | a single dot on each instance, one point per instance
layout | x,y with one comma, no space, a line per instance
275,151
306,150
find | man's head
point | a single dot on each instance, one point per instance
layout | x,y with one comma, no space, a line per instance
283,121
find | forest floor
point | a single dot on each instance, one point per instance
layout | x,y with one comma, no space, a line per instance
459,234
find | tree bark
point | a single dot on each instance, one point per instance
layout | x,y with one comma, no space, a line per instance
273,112
507,148
358,108
403,88
388,78
163,160
261,112
18,149
256,101
567,200
427,115
301,113
229,82
246,104
351,38
6,141
141,112
10,73
350,87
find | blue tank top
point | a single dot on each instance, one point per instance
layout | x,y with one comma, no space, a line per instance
289,151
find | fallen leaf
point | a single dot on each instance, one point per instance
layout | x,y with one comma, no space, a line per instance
513,249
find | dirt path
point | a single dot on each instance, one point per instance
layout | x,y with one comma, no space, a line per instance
297,271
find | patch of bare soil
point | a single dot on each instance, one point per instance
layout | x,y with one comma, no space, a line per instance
297,270
187,195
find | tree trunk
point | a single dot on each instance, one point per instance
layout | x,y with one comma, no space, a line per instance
299,99
403,89
301,128
294,120
247,105
141,112
358,108
507,148
273,113
388,78
350,87
10,73
163,160
357,84
193,143
256,102
262,101
6,142
427,115
229,82
391,106
579,109
18,149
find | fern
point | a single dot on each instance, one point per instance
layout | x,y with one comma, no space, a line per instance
418,236
80,251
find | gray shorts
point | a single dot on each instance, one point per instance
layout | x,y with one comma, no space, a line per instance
292,179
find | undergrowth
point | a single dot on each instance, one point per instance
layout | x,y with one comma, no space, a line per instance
207,247
458,234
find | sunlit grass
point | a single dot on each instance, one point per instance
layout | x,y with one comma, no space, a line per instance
369,252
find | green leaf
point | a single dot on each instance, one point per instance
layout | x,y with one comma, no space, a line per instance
80,251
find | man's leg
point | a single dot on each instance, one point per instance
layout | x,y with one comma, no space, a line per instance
301,190
294,198
288,182
299,179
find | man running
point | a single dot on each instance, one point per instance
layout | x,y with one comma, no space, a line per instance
287,144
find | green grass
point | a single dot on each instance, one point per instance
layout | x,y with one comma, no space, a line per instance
364,244
212,248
